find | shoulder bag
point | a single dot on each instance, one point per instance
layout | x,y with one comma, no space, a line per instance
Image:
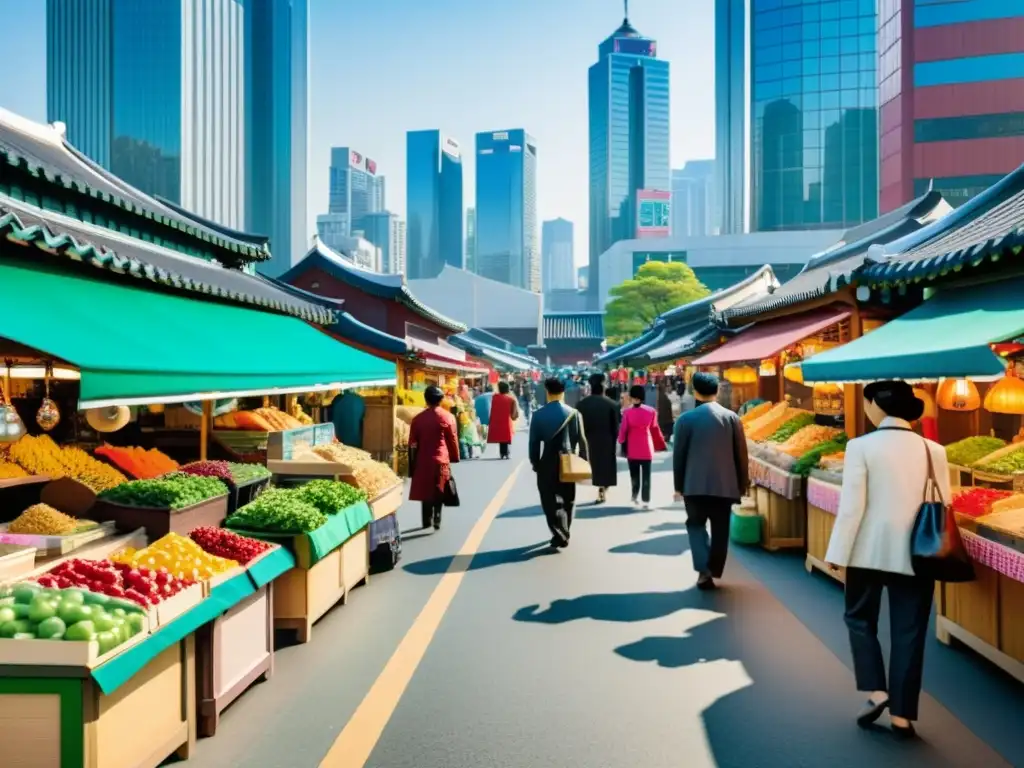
572,468
936,549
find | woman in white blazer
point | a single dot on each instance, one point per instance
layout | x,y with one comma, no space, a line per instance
884,478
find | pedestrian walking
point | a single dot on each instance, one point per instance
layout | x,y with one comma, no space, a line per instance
665,418
601,426
555,430
640,437
883,475
524,402
482,406
709,468
504,412
433,448
467,431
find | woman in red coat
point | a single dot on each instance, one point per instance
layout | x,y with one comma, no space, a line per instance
504,411
433,448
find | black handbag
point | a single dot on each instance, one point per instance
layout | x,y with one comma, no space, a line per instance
936,549
450,494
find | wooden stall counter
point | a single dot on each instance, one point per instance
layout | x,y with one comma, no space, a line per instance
781,505
822,507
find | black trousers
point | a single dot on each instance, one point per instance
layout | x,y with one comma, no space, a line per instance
640,478
503,450
709,555
431,513
557,499
910,607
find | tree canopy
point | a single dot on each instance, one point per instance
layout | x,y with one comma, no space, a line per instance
657,287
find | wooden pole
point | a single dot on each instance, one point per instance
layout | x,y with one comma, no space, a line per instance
204,429
853,395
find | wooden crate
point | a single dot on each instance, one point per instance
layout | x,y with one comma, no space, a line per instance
1011,618
159,522
819,530
233,652
48,721
974,605
784,521
355,561
387,502
303,595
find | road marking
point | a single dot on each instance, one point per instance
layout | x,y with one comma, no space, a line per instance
357,740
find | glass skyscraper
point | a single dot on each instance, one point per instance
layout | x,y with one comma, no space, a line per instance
693,199
433,191
471,239
559,265
814,101
506,208
732,123
155,92
356,190
277,117
629,135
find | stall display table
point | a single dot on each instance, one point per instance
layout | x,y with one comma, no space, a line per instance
384,537
822,508
780,503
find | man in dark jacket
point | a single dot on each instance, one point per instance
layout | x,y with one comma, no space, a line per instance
601,425
709,465
555,429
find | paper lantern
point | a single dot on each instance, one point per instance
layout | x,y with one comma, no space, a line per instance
828,399
929,402
794,372
744,375
1006,396
958,395
767,368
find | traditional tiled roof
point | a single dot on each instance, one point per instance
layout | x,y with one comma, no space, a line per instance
41,152
498,355
348,327
980,231
495,341
121,254
685,346
829,271
573,325
391,287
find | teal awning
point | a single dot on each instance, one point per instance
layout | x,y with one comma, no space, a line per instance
949,335
133,345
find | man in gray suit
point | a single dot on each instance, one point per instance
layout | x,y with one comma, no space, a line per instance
709,464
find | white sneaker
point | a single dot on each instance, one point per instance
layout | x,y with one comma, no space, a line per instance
646,505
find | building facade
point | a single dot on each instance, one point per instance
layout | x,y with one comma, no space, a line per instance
814,102
386,231
952,97
628,96
161,103
557,256
433,203
277,128
355,188
732,117
506,246
470,245
693,199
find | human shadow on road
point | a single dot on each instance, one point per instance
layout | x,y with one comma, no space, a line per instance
625,607
534,511
601,511
436,566
666,527
667,546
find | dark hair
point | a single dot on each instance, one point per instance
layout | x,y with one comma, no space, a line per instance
554,386
433,396
503,387
896,398
704,384
637,392
613,393
597,383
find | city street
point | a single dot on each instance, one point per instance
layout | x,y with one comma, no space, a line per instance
600,656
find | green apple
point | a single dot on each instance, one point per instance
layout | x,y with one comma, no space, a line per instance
7,614
107,640
51,628
72,613
41,608
82,630
72,596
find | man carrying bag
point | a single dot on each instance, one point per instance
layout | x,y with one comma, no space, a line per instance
555,436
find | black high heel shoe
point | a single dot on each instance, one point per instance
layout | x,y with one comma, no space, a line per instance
903,733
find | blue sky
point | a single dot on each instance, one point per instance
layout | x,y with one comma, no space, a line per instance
381,67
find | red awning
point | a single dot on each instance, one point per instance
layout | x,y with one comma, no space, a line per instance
769,338
458,366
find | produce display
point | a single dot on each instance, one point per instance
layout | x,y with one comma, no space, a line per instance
9,471
178,555
975,502
411,397
35,612
227,544
343,454
41,456
971,449
791,427
807,438
175,491
752,406
401,433
765,425
247,473
300,415
43,520
278,510
812,458
258,420
218,469
329,496
1007,464
833,462
367,475
138,462
109,581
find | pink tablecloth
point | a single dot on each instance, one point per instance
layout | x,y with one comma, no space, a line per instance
787,485
823,495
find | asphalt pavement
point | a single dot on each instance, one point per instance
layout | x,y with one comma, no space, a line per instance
603,655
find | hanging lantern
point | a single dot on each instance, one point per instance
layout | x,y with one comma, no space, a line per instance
11,425
794,372
48,415
958,395
740,376
1007,395
828,399
767,368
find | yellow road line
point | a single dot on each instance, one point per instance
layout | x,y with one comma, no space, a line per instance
354,744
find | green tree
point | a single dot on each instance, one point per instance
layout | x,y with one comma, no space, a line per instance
657,287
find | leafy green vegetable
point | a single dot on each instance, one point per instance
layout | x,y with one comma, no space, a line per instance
247,473
329,496
969,450
809,460
1009,464
791,427
175,491
278,510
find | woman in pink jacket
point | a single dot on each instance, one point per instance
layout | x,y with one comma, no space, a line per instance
641,437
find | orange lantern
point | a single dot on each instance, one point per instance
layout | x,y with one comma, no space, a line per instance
958,395
739,376
1006,396
794,372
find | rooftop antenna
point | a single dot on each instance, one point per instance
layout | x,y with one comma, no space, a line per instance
626,5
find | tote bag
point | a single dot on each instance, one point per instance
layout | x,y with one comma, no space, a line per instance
573,468
936,549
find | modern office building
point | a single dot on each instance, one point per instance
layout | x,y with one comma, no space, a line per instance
506,208
583,277
433,192
471,239
386,231
557,256
332,229
628,96
277,127
952,97
814,101
355,188
732,117
693,199
136,87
